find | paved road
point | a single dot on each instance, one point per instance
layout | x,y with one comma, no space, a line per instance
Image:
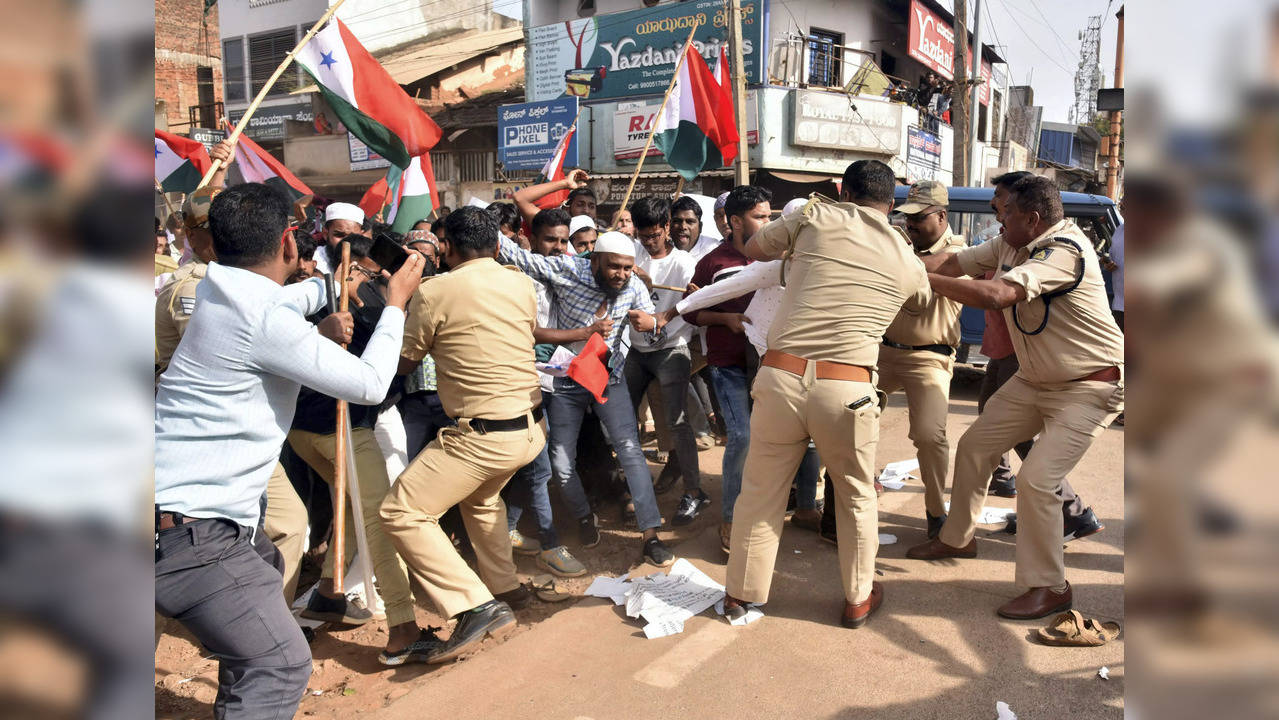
936,649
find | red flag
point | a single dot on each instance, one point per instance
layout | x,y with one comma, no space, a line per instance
374,198
258,165
588,370
554,170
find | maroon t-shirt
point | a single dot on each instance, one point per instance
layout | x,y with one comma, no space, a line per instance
724,348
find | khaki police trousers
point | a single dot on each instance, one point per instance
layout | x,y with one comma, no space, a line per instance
392,580
925,376
462,467
789,410
285,524
1068,417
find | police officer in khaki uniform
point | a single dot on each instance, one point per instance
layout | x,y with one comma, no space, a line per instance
1069,388
918,353
477,321
849,275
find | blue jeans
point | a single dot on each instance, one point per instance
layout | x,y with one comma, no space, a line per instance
806,479
734,403
565,409
528,491
424,417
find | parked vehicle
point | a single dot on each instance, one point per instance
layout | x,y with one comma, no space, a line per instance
970,213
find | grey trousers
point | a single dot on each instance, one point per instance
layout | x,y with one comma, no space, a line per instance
209,577
999,372
670,369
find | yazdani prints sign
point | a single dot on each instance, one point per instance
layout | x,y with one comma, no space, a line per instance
932,42
633,53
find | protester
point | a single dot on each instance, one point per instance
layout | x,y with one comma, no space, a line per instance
340,219
1069,386
580,199
242,360
477,322
686,228
663,357
622,223
732,361
582,234
721,219
587,290
850,275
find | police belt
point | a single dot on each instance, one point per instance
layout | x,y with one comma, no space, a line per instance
484,426
939,349
825,370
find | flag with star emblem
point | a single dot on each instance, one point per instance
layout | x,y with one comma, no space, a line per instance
179,162
366,98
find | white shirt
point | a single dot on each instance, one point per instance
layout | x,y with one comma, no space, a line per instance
674,270
226,401
704,244
1117,277
763,279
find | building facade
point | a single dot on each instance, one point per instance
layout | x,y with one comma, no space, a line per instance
188,65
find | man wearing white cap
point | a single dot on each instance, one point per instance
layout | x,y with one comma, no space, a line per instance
586,290
340,219
582,234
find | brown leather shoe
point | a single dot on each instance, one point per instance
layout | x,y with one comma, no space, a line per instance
734,609
935,549
856,614
1036,603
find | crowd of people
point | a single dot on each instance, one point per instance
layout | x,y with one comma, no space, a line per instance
781,340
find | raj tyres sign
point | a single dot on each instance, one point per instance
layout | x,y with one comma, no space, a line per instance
633,53
932,42
528,133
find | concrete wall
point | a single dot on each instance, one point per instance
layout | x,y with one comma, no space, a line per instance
382,25
185,39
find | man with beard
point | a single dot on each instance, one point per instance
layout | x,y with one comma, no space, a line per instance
340,219
585,291
686,228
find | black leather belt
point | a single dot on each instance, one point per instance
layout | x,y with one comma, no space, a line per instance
939,349
484,426
165,520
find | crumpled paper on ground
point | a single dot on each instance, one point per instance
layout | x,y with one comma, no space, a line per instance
894,475
663,600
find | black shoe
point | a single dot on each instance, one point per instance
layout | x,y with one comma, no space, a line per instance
934,524
343,610
492,619
419,651
828,532
656,553
1004,488
588,531
689,507
1082,526
517,598
667,478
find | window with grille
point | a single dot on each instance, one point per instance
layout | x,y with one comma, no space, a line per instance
476,165
824,54
266,52
233,69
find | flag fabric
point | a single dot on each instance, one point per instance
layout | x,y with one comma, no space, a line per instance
258,165
553,170
721,71
696,130
375,198
411,194
588,369
179,162
366,98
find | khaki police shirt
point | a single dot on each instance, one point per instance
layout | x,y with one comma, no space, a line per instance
938,322
1080,336
848,277
173,308
477,322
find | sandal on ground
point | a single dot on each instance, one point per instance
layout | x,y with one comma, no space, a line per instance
416,652
1071,629
544,587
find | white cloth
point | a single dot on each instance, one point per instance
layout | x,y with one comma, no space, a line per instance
321,258
1117,277
761,278
674,270
226,402
392,440
704,244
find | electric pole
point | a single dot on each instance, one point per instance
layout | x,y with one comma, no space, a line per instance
742,166
1116,116
959,99
974,117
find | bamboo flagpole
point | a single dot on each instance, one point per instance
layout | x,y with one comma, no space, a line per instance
339,455
253,106
653,125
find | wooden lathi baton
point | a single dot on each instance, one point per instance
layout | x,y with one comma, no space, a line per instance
655,286
339,454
